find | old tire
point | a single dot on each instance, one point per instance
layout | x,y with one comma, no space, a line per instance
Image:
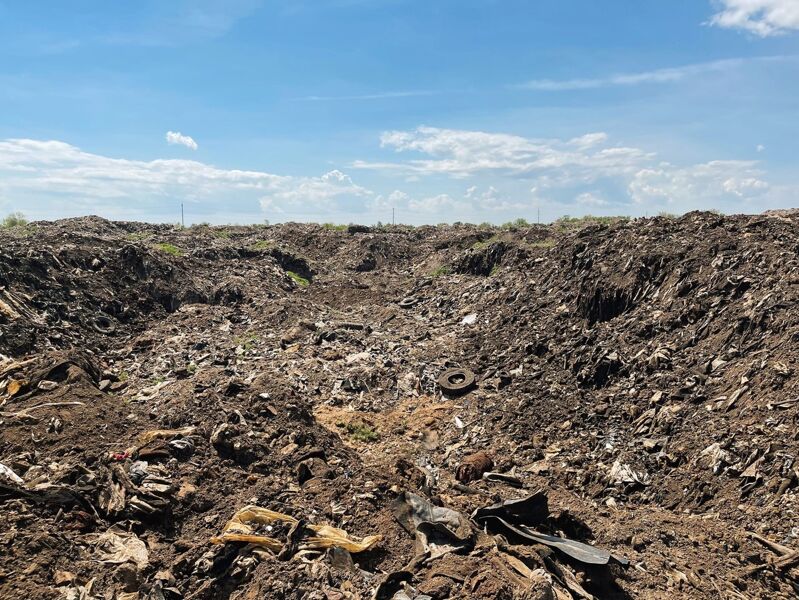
456,381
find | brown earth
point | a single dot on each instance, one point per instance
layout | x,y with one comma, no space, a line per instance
641,376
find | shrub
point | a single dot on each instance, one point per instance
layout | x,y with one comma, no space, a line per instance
15,219
360,431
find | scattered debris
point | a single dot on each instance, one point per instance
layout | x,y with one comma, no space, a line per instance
640,374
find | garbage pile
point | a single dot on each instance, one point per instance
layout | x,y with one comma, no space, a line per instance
398,413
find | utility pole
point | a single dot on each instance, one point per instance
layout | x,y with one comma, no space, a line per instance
182,222
392,215
539,215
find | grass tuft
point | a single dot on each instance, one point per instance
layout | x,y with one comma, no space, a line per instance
169,249
301,281
360,431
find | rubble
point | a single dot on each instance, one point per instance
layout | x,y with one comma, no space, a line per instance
441,412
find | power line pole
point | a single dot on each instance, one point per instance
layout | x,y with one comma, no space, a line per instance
182,221
392,215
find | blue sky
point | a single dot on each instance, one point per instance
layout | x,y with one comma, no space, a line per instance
340,110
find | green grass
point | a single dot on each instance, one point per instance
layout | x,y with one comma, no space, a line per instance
301,281
15,219
169,249
360,431
494,270
442,270
262,245
247,341
334,226
221,233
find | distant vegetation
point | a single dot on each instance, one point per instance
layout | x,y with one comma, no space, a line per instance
442,270
15,219
566,222
334,226
515,224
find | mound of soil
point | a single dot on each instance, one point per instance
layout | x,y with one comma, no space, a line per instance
635,400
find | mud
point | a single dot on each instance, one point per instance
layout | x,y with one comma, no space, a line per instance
639,377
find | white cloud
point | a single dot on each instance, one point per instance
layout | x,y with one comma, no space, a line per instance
666,75
436,204
761,17
591,199
321,193
655,76
177,138
588,140
59,179
563,169
701,183
460,153
395,199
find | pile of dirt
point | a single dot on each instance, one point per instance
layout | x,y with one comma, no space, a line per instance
296,411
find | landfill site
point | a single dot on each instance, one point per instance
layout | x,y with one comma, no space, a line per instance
583,410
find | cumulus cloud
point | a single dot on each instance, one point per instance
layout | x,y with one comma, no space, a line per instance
761,17
711,180
460,153
74,182
322,193
562,170
177,138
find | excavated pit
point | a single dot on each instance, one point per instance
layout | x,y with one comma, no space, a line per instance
635,390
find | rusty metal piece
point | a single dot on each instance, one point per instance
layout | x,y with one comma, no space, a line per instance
473,466
456,381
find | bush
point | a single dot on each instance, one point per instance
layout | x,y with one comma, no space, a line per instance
334,227
567,222
516,224
15,219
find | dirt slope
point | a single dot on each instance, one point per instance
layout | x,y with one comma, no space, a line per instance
635,382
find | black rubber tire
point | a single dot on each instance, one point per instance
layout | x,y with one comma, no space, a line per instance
408,302
104,324
455,382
